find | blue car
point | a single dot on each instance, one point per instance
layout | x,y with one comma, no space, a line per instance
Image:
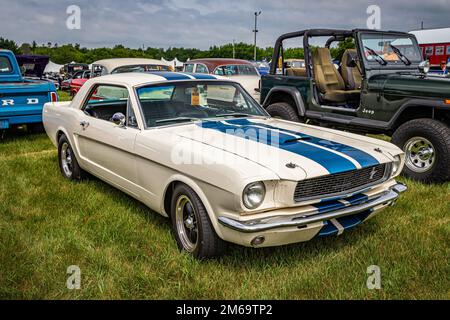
262,66
21,100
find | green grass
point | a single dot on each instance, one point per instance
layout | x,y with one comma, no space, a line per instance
64,95
127,251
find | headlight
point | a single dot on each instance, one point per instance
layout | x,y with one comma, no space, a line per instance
424,66
396,166
253,195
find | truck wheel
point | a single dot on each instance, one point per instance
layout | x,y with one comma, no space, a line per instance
283,111
68,163
426,143
191,225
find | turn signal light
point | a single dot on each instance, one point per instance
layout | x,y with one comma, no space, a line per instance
447,101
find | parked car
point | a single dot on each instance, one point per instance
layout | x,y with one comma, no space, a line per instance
81,75
263,67
381,87
21,100
197,148
120,65
241,71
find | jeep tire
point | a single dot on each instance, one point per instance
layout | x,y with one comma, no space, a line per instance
426,143
284,111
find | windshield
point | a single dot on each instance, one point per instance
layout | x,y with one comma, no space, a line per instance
236,70
167,104
390,48
141,68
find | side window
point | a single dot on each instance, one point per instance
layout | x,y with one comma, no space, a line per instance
201,69
189,68
5,65
106,100
219,71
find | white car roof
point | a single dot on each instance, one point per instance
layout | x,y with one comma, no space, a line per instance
137,78
111,64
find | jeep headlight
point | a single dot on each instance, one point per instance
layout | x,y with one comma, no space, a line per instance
396,166
253,195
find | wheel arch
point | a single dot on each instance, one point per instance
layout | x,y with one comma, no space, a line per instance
288,95
417,109
181,179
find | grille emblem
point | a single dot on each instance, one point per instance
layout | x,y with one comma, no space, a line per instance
373,173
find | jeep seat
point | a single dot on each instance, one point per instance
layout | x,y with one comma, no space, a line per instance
328,80
296,72
351,75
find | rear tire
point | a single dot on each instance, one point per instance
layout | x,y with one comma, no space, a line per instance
68,163
426,143
191,226
283,111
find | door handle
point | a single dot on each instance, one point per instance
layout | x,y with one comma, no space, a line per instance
84,124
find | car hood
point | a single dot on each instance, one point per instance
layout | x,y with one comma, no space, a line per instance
273,144
413,84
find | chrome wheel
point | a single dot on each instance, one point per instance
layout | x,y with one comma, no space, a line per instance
420,154
66,159
186,222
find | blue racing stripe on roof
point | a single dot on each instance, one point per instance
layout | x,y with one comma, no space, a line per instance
202,76
362,157
171,75
331,161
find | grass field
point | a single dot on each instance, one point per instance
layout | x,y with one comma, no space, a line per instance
126,251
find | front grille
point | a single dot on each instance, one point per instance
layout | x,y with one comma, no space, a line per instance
339,183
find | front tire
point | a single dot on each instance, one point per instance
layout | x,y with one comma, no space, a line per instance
68,163
426,143
191,226
283,111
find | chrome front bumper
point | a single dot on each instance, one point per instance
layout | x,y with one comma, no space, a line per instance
386,198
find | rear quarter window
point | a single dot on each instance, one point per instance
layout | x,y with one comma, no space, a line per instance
5,65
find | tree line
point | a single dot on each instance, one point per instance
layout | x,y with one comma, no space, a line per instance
66,53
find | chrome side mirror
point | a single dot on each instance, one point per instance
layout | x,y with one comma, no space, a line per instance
424,67
119,119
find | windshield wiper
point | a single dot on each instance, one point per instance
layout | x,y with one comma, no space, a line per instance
402,57
234,115
179,119
380,59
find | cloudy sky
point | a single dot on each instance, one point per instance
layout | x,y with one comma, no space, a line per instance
201,23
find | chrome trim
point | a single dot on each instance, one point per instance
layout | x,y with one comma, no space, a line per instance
299,220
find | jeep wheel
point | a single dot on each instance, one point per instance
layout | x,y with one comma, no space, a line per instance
283,111
191,225
426,143
68,163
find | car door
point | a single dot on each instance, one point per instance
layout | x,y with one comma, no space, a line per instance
106,147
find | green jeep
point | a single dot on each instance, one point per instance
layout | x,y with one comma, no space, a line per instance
380,87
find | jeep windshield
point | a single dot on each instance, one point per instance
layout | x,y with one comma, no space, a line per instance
392,49
182,102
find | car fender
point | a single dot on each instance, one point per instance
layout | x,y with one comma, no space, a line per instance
293,92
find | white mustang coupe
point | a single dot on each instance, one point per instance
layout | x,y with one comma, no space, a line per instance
198,149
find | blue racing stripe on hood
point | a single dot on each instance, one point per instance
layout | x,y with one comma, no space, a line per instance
171,75
362,157
331,161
